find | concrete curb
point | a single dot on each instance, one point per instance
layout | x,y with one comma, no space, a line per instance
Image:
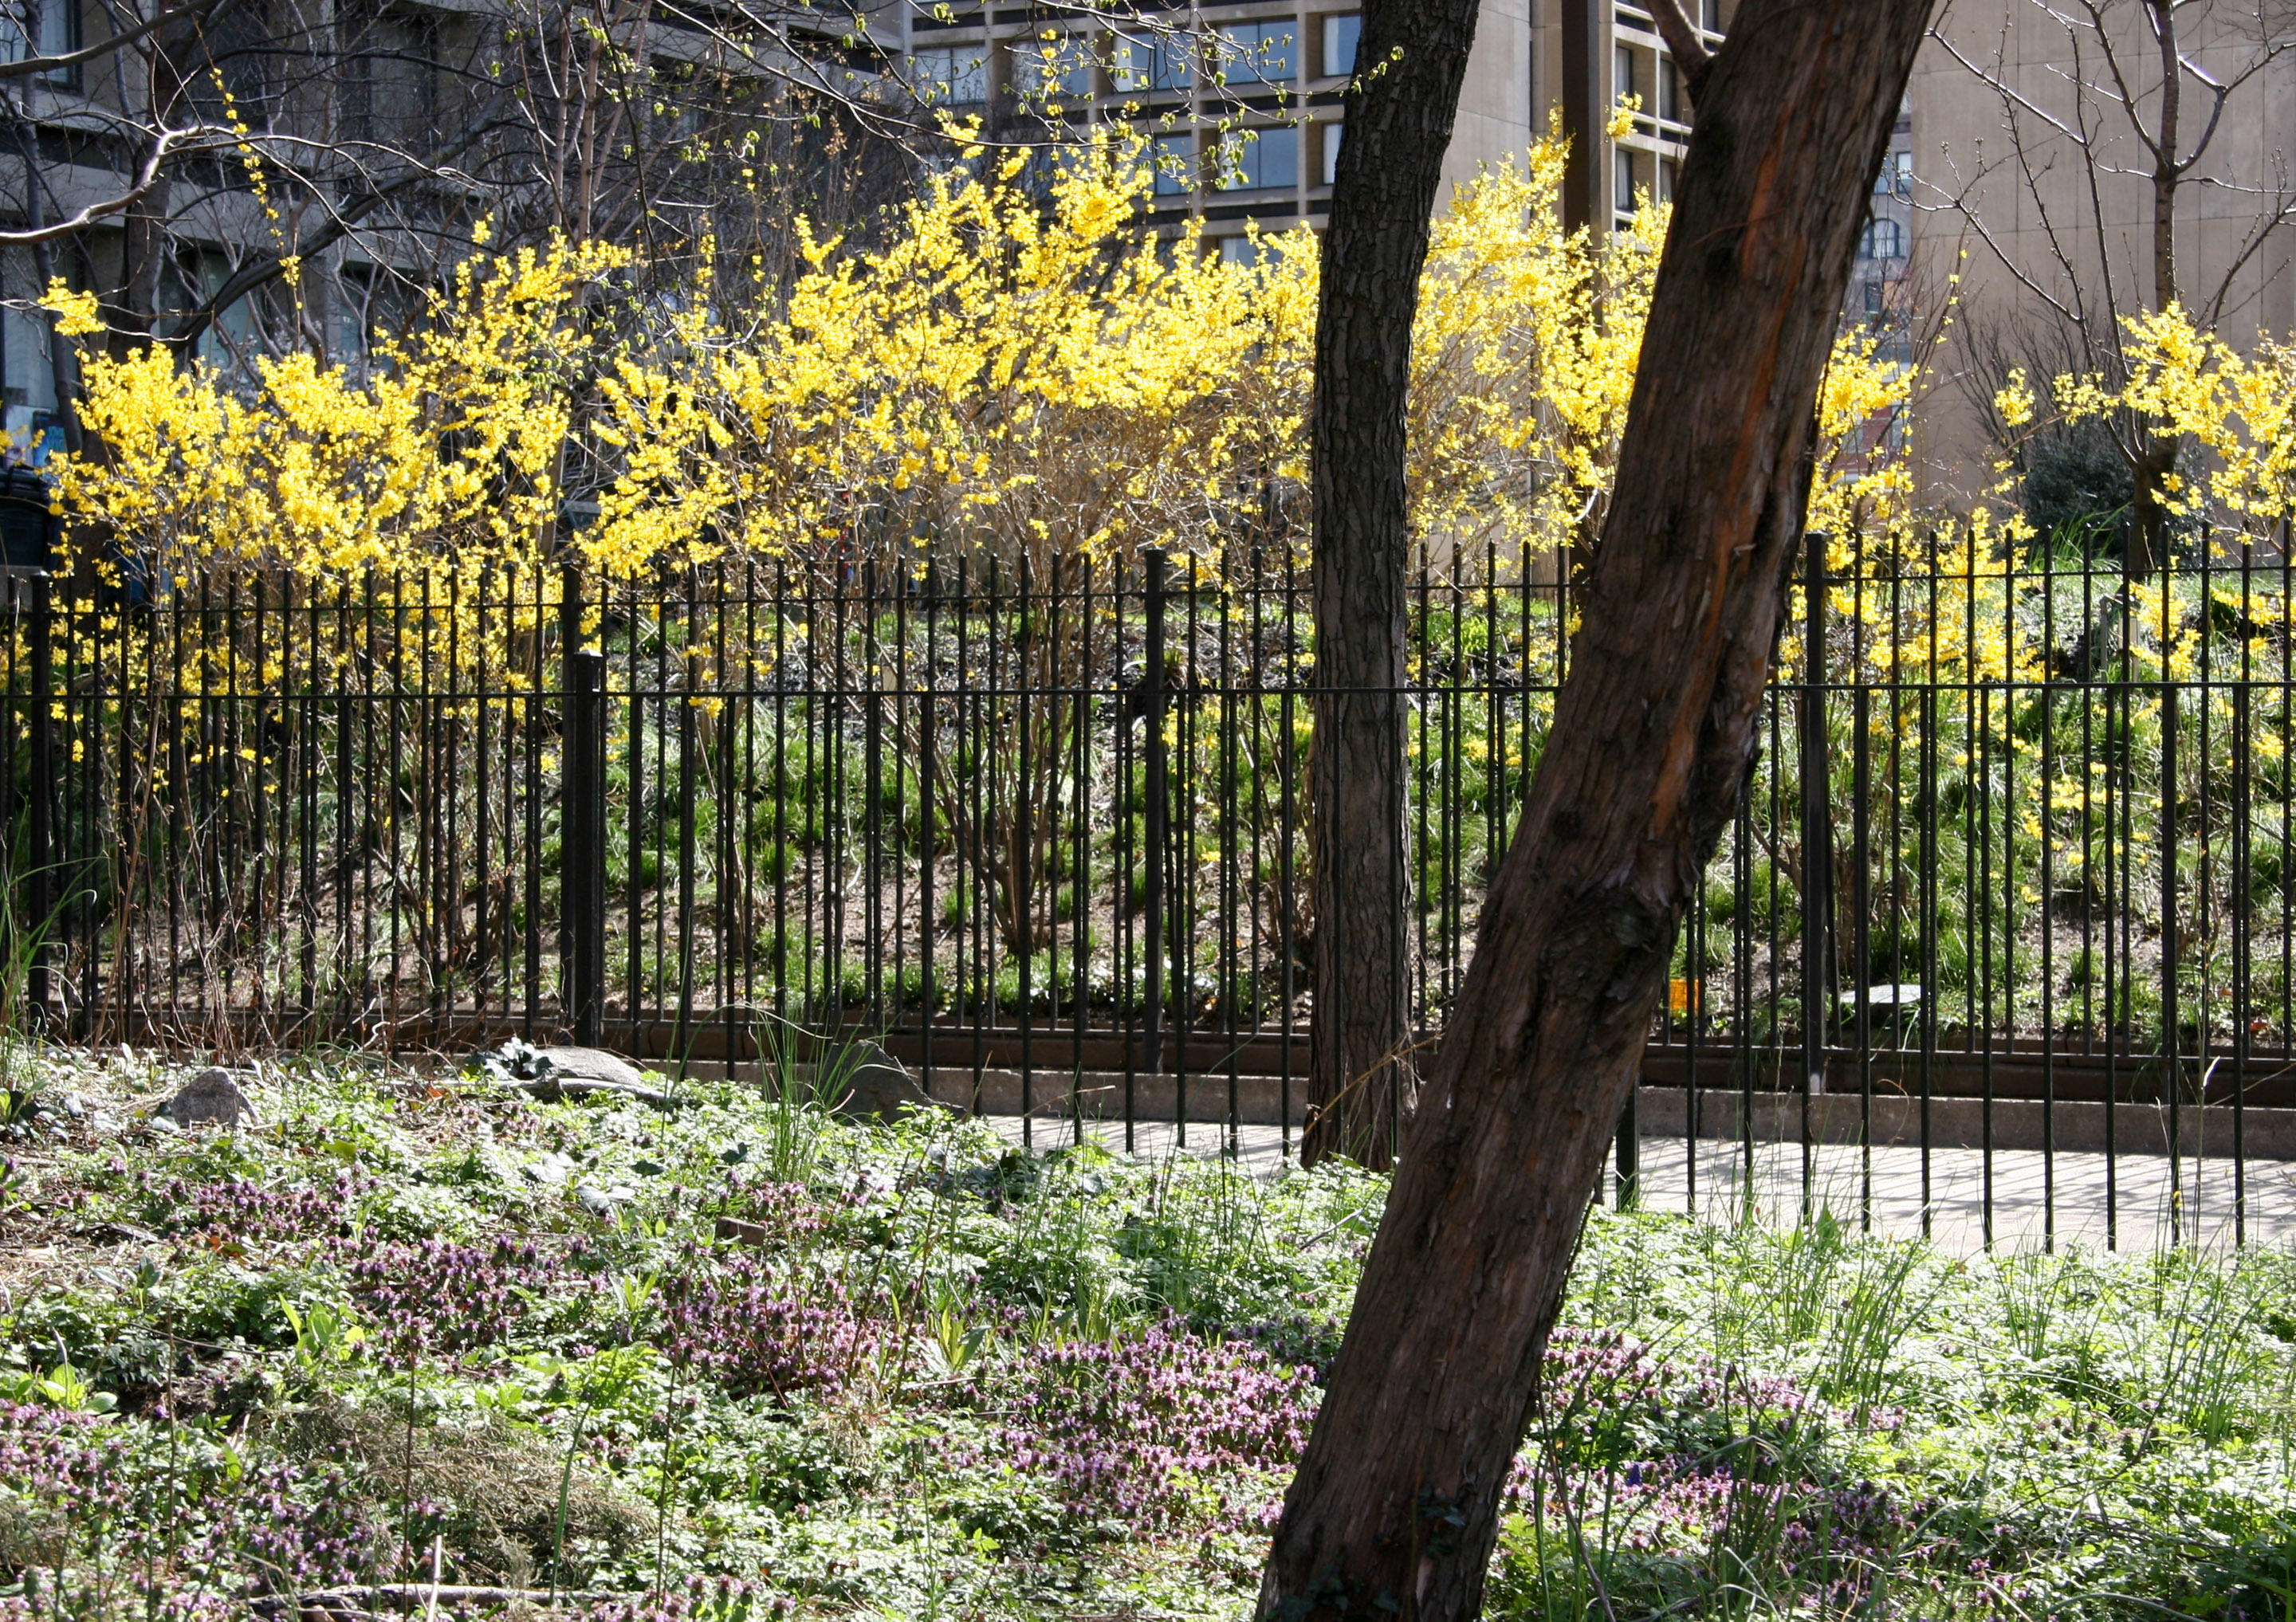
1953,1123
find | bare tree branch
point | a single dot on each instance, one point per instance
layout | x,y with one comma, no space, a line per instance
1692,58
26,66
165,144
257,274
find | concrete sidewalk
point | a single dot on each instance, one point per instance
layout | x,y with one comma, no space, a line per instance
2015,1198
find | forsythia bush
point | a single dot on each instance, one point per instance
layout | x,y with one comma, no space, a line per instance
1019,373
2240,410
451,446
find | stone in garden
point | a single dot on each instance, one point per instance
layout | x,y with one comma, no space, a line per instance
592,1064
605,1203
877,1084
212,1097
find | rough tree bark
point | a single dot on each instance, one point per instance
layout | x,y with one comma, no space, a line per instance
1398,116
1394,1508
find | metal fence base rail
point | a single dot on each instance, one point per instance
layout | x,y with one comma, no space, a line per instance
2018,866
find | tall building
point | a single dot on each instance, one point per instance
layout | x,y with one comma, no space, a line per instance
1243,100
1590,57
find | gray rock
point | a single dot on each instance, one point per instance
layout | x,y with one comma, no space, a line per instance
553,1073
876,1083
605,1203
593,1064
551,1171
212,1097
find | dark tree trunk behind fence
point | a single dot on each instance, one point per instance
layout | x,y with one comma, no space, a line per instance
1399,115
1394,1510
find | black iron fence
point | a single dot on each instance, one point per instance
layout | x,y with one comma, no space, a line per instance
2014,873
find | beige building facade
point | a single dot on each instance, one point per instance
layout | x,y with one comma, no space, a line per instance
2033,136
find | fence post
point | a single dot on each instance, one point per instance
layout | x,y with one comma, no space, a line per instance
1817,846
1630,1150
40,858
582,847
1152,699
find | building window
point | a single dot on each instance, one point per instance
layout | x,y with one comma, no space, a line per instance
1260,159
41,27
390,80
1622,71
1160,61
1058,67
1873,301
956,77
1897,176
1624,178
1710,16
1668,173
1332,135
238,51
1884,239
191,278
1256,52
26,372
1342,34
1175,157
1669,92
32,375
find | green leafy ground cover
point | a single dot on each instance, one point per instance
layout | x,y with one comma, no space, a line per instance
409,1319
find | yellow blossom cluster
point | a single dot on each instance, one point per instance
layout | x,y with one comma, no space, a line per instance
449,449
1019,372
2239,410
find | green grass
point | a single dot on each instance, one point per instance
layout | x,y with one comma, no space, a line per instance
929,1377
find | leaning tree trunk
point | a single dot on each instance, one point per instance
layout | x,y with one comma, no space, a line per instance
1398,119
1394,1508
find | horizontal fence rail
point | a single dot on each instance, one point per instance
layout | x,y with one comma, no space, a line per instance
2015,872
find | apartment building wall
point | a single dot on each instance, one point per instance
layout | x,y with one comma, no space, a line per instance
1593,54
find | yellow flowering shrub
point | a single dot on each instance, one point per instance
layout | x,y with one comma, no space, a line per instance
2241,411
1018,370
449,449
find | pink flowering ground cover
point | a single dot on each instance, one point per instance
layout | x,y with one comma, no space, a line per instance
737,1358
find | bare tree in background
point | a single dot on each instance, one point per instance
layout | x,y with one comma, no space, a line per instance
2117,118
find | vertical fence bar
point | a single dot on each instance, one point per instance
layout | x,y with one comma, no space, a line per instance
582,850
689,767
2243,898
1816,855
1154,564
1183,907
40,836
1124,857
2171,1081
